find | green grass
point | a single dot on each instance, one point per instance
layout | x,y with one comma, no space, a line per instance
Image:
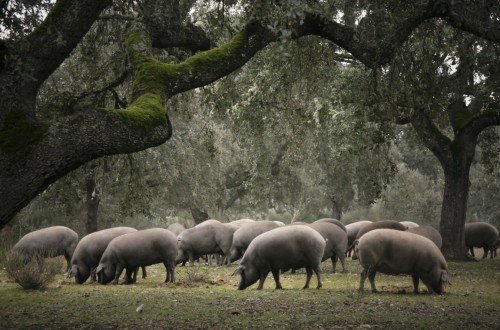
206,297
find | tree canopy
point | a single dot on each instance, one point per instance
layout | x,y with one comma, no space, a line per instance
122,99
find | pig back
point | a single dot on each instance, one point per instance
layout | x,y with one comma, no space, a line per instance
398,252
286,247
144,247
480,233
92,246
55,240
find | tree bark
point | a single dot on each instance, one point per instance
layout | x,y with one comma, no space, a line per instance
336,208
198,215
454,208
91,203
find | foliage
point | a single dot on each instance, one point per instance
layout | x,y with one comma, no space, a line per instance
294,131
420,197
36,274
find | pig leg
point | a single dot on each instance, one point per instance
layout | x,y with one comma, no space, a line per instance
371,277
276,275
170,267
119,270
68,261
144,274
130,275
191,258
362,281
342,261
367,272
134,274
309,273
416,280
317,271
334,259
93,276
263,275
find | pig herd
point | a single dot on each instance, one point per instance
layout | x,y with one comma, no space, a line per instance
263,247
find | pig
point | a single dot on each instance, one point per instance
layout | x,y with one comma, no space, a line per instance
429,232
208,237
89,251
176,228
398,252
47,242
241,222
482,235
281,249
334,221
352,232
244,235
336,243
295,223
389,224
142,248
409,224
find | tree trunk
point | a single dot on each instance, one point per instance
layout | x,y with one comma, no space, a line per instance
453,212
92,204
336,208
198,215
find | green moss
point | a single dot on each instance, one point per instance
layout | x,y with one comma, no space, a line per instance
18,131
216,55
146,111
151,77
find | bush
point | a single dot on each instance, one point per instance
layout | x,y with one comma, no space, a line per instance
6,242
197,274
34,275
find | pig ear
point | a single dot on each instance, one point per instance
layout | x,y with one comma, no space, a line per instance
444,277
239,270
72,272
99,268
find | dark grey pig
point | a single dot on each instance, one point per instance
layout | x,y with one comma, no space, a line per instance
244,236
142,248
89,251
208,237
386,224
399,252
176,228
430,233
482,235
336,243
281,249
334,221
352,232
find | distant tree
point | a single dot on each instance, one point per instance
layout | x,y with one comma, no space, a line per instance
445,84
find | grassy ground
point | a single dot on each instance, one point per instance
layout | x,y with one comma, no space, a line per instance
206,297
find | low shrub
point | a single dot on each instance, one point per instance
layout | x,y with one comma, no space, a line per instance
197,274
36,274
